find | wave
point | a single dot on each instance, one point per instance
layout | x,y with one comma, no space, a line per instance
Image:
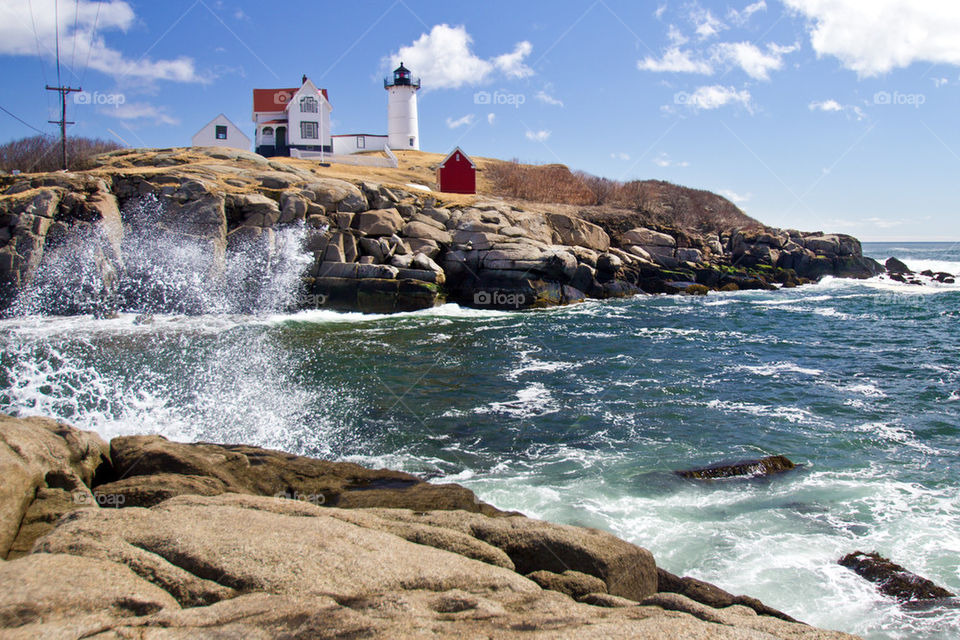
776,368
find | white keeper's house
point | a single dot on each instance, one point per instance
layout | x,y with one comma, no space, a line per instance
294,118
299,118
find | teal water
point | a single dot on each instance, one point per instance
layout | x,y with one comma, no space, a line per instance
580,414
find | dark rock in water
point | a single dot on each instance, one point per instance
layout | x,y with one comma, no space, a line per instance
946,278
896,266
892,579
746,468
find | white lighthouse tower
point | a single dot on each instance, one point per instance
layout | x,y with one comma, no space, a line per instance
403,128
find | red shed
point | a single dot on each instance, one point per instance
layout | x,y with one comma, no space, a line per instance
457,173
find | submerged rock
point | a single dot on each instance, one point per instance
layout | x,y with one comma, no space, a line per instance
745,468
892,579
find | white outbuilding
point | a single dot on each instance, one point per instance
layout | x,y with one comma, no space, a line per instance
221,132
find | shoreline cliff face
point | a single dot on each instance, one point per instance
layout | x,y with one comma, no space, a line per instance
150,538
363,246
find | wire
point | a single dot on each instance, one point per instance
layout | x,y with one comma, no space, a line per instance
76,20
36,37
56,17
93,35
22,121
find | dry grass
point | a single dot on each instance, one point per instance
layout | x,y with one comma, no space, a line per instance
42,153
617,206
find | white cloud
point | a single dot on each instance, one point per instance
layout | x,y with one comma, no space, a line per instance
743,17
826,105
755,62
875,36
716,96
139,111
512,63
459,122
736,198
832,106
675,61
660,10
546,98
676,37
706,24
443,59
620,155
491,118
663,160
17,37
538,136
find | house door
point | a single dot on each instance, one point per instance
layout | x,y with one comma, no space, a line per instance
281,148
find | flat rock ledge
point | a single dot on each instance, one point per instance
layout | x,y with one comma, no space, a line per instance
146,538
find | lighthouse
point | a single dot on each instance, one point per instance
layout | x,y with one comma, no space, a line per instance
403,129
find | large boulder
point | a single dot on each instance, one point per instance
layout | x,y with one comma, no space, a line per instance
47,468
893,265
426,232
533,545
378,222
65,595
576,232
644,237
251,543
264,472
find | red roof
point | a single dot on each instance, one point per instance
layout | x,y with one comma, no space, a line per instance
276,99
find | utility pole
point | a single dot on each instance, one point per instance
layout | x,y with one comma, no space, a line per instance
63,122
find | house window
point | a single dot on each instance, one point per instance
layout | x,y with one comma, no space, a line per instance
361,142
308,105
267,131
309,130
221,132
411,141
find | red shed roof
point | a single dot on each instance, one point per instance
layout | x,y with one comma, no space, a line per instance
443,162
276,99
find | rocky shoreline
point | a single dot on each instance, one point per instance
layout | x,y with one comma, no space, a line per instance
143,537
369,247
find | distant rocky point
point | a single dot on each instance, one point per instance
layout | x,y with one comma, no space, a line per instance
143,537
372,246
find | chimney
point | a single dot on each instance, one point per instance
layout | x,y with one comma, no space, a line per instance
304,81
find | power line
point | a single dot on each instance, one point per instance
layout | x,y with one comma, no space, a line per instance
22,121
56,30
93,35
76,20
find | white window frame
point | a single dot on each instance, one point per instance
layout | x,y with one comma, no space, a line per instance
308,104
361,142
306,130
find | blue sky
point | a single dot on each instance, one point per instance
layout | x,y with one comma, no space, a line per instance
840,115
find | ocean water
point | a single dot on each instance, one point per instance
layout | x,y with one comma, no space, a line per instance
581,414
